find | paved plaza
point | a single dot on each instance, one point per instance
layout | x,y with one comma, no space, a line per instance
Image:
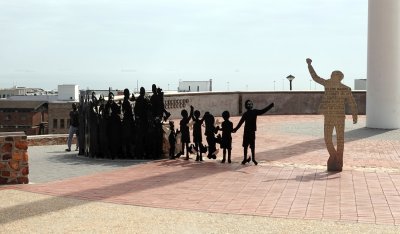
288,191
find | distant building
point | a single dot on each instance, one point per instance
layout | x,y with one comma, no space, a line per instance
102,92
195,86
21,91
59,117
27,94
360,84
5,93
68,92
30,117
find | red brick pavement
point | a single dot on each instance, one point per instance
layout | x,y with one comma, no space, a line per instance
290,181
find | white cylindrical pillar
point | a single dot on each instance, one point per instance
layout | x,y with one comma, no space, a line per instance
383,73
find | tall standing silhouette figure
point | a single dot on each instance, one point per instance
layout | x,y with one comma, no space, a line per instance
333,108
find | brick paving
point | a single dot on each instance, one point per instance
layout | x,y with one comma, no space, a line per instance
290,181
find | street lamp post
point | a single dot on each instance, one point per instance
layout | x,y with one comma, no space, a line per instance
290,78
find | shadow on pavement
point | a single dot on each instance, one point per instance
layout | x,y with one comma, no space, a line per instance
317,144
99,193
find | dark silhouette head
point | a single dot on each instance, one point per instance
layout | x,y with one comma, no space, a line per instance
171,124
209,119
248,104
126,93
196,114
154,89
110,96
226,115
74,106
184,113
94,96
142,91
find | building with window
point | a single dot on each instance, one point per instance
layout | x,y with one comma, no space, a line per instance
30,117
195,86
59,117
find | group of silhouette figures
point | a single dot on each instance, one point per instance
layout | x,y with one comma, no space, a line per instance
130,128
133,128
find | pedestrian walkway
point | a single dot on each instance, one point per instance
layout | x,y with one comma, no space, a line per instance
290,183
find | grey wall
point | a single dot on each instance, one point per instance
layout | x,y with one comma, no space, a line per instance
286,103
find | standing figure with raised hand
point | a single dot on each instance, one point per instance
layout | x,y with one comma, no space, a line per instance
333,108
250,127
185,131
226,140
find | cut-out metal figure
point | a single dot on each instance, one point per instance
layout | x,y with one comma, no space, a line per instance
333,108
250,127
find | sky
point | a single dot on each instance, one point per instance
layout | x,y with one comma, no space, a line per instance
240,44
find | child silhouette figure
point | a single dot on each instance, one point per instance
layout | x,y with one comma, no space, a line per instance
185,131
172,140
197,134
250,127
226,140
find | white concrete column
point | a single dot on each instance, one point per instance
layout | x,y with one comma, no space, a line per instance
383,73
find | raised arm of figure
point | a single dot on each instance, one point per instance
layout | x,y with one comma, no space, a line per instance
267,108
313,74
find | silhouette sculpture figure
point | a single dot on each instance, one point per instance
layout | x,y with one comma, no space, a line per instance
141,111
250,127
157,111
197,134
113,125
128,124
333,108
226,140
172,140
210,131
157,104
93,125
103,138
185,131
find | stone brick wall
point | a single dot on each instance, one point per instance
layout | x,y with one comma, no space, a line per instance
52,139
14,168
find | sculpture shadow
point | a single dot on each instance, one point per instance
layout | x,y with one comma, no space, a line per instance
322,175
55,204
318,144
67,159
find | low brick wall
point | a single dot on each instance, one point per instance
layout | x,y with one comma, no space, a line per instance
14,168
52,139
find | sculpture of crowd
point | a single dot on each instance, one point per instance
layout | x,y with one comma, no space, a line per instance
110,129
133,129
